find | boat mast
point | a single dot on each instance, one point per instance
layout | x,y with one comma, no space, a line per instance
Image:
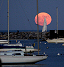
57,21
37,28
8,21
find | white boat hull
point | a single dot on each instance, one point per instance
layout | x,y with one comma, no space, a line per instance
22,59
59,40
27,50
3,41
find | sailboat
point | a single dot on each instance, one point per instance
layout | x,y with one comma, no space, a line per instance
57,40
17,46
18,56
3,41
44,26
44,30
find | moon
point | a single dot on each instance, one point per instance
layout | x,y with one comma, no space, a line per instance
41,17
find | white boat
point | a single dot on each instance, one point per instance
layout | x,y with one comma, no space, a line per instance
25,49
18,46
3,41
19,57
44,30
57,40
44,26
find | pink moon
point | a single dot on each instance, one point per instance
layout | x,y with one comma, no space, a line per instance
41,17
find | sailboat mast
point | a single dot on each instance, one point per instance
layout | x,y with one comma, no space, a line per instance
37,28
8,21
57,20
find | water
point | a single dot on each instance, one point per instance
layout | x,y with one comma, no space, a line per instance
53,59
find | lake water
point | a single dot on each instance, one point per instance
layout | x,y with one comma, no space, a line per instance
53,59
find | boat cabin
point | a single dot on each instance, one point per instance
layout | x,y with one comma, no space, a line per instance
12,52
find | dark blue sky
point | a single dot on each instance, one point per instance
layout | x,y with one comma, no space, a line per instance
23,12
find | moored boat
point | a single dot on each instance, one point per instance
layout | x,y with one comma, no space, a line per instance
58,40
18,56
6,47
3,41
